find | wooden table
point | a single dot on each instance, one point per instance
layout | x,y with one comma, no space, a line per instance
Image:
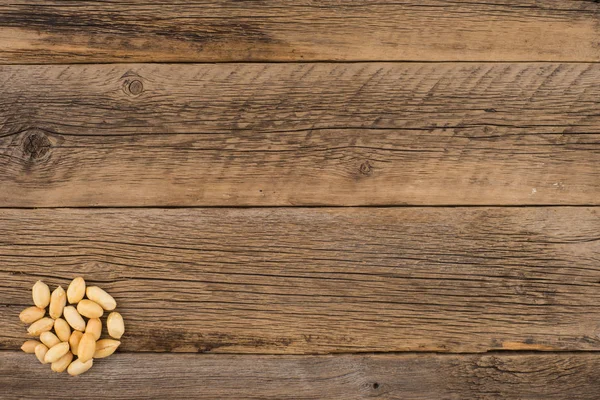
307,199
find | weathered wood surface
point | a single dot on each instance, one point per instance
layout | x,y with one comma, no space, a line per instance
347,377
293,30
300,134
519,125
297,280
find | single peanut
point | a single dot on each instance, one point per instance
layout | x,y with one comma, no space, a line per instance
94,326
87,347
106,347
49,339
99,296
29,346
40,352
62,363
62,329
73,318
115,325
76,290
58,300
41,294
78,367
74,341
89,309
56,352
39,326
32,314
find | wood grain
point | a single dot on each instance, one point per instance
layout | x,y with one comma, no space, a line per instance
298,30
297,280
348,377
300,134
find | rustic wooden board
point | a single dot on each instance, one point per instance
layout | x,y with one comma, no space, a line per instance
297,280
143,376
274,30
300,134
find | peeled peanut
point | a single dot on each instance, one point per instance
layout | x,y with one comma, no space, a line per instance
56,352
39,326
94,326
32,314
106,347
87,347
76,290
78,367
41,294
58,300
62,329
49,339
99,296
73,318
115,325
89,309
62,363
40,352
29,346
74,341
60,347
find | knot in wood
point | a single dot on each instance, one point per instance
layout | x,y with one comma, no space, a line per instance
365,168
136,87
36,145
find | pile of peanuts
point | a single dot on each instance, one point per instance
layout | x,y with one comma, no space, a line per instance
84,341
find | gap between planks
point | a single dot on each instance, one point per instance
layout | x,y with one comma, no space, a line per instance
216,207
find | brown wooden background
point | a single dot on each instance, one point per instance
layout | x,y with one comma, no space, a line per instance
308,199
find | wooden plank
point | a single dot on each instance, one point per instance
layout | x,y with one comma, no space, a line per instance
319,280
300,134
298,30
498,376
